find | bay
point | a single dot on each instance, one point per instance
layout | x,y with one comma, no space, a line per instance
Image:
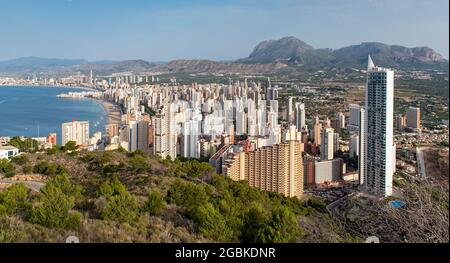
36,111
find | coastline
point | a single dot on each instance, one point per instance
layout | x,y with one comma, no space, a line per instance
46,86
112,110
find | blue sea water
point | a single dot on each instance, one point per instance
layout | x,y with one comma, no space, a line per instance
33,111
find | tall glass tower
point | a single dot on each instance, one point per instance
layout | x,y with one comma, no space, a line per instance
379,131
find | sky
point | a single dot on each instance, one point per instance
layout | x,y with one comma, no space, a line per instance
217,30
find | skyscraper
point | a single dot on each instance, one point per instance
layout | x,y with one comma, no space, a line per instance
413,118
299,115
77,131
317,128
327,146
340,118
353,121
362,146
290,116
379,130
400,121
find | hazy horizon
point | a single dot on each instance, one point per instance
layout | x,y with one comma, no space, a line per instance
229,30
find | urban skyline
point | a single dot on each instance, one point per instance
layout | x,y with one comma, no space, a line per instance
311,140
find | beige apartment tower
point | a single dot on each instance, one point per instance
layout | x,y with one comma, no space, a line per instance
277,168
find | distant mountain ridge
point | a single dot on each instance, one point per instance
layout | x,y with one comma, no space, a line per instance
297,52
270,56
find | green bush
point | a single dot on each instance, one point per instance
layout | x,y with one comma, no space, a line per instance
7,168
195,168
211,223
49,169
254,227
154,204
139,164
187,195
27,169
121,205
53,206
14,200
70,146
20,160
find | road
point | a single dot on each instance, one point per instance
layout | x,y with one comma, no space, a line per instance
33,185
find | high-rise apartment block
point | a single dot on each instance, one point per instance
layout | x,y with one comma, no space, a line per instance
327,146
77,131
413,118
379,131
277,168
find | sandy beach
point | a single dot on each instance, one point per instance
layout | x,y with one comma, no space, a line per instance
114,116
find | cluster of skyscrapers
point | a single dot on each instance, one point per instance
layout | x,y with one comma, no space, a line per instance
237,127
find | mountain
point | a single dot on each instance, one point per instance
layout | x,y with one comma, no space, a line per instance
299,53
272,50
389,56
37,64
207,66
68,66
112,67
287,54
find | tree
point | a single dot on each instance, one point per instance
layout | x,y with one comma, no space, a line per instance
70,146
26,145
195,168
53,206
187,195
154,204
211,223
139,164
282,226
7,168
14,200
255,220
121,205
49,169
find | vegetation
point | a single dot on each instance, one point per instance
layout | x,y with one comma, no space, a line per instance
123,197
25,145
7,168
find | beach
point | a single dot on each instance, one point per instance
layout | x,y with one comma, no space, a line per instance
113,111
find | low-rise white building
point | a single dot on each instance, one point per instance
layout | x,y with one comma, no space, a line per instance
8,152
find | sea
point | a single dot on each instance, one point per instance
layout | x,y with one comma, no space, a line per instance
37,111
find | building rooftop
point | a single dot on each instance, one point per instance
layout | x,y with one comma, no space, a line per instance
8,148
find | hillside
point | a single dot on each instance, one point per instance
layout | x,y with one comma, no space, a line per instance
119,197
207,66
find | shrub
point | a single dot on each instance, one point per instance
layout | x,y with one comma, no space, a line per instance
7,168
53,207
139,164
154,203
20,160
212,224
121,205
49,169
187,195
70,146
14,199
27,169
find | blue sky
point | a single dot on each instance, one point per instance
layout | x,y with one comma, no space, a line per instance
219,30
